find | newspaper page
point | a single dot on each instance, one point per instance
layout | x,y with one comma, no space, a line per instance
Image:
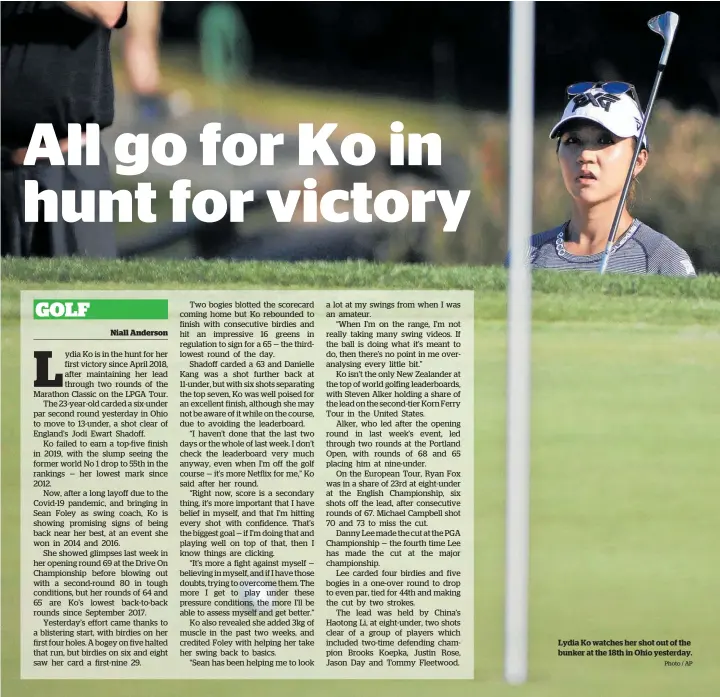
247,485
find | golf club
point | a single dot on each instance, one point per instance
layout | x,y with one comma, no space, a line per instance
665,25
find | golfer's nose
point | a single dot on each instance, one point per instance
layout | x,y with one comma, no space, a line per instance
586,156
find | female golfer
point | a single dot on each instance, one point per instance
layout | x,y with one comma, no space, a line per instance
597,135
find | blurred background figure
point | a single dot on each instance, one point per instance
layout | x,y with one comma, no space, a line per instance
56,69
141,56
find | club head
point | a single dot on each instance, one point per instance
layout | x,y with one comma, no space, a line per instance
665,25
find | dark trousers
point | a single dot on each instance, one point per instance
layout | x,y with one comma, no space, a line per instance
54,239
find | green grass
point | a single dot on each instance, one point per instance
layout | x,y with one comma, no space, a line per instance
558,297
625,442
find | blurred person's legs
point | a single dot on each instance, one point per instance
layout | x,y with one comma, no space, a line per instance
60,238
141,53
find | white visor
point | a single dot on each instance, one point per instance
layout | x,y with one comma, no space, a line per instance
618,113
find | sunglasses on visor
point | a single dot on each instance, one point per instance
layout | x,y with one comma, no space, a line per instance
610,87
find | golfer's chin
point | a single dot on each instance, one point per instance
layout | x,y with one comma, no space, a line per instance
588,194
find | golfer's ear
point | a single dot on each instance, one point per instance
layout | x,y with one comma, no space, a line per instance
641,161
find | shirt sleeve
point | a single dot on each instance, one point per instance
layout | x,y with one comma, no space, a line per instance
675,261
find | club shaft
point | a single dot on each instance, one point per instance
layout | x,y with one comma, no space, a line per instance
629,178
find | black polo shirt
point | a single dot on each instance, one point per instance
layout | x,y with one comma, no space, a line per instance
56,69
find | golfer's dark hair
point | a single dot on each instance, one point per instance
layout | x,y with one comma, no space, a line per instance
632,193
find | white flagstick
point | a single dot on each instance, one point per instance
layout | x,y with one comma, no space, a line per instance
522,83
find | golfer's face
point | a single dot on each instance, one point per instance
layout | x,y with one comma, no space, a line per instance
594,163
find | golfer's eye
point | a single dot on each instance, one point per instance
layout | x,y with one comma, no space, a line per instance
571,140
606,140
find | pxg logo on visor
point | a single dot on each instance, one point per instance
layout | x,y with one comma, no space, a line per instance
602,101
